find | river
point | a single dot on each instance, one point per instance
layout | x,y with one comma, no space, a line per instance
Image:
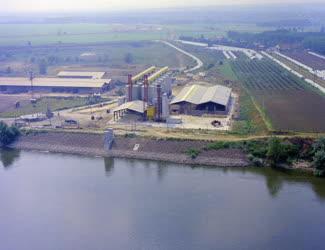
57,201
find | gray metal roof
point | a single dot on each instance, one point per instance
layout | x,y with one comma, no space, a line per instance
199,94
136,106
54,82
93,75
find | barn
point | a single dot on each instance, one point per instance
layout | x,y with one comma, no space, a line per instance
55,84
200,99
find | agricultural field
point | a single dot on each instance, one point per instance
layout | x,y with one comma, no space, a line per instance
307,59
101,57
286,102
300,69
8,109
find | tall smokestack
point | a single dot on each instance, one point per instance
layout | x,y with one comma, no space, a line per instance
145,94
159,102
130,86
145,88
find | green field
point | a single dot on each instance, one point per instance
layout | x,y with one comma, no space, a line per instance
85,33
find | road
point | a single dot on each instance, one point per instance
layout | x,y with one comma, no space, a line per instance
199,63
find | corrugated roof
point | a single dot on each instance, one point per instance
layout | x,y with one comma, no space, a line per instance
199,94
136,106
93,75
141,74
54,82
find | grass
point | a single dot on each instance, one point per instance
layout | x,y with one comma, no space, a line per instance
54,103
226,70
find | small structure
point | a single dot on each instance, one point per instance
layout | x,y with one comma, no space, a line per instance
108,139
200,99
33,117
135,107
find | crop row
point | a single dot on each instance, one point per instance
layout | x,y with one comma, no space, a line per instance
263,75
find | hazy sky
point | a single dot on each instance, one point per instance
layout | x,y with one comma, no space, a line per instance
77,5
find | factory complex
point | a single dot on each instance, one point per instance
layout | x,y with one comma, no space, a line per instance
150,98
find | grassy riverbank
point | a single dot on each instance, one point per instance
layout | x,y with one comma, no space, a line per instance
286,152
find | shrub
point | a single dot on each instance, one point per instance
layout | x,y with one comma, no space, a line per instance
256,148
275,151
222,145
319,145
319,160
8,134
193,152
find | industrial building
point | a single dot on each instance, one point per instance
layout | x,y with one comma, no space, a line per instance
72,85
200,99
153,88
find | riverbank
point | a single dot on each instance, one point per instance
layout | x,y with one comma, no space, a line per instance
131,147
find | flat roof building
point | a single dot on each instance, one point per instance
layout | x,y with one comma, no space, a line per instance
199,99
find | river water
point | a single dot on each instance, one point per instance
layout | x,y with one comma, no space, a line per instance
56,201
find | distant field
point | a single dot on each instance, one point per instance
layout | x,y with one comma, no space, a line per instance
289,103
85,33
103,57
307,59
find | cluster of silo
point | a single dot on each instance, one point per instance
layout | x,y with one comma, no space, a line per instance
154,88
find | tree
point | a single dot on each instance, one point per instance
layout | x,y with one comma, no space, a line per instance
319,145
8,134
128,58
42,67
319,156
8,70
319,160
274,151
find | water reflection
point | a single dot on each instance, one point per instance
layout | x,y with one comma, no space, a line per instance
274,184
109,166
275,179
161,170
8,157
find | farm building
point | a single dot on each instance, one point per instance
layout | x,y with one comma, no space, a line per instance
200,99
81,74
21,84
134,108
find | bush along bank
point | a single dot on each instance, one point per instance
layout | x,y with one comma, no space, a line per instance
290,153
8,134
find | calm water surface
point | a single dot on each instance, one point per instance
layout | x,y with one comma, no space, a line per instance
55,201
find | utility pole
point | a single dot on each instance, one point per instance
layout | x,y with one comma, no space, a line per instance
31,78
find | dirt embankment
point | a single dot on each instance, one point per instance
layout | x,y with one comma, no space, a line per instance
150,149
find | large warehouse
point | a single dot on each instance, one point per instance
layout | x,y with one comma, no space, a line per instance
200,99
72,85
81,74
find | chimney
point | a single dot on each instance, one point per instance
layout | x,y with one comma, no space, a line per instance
130,86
